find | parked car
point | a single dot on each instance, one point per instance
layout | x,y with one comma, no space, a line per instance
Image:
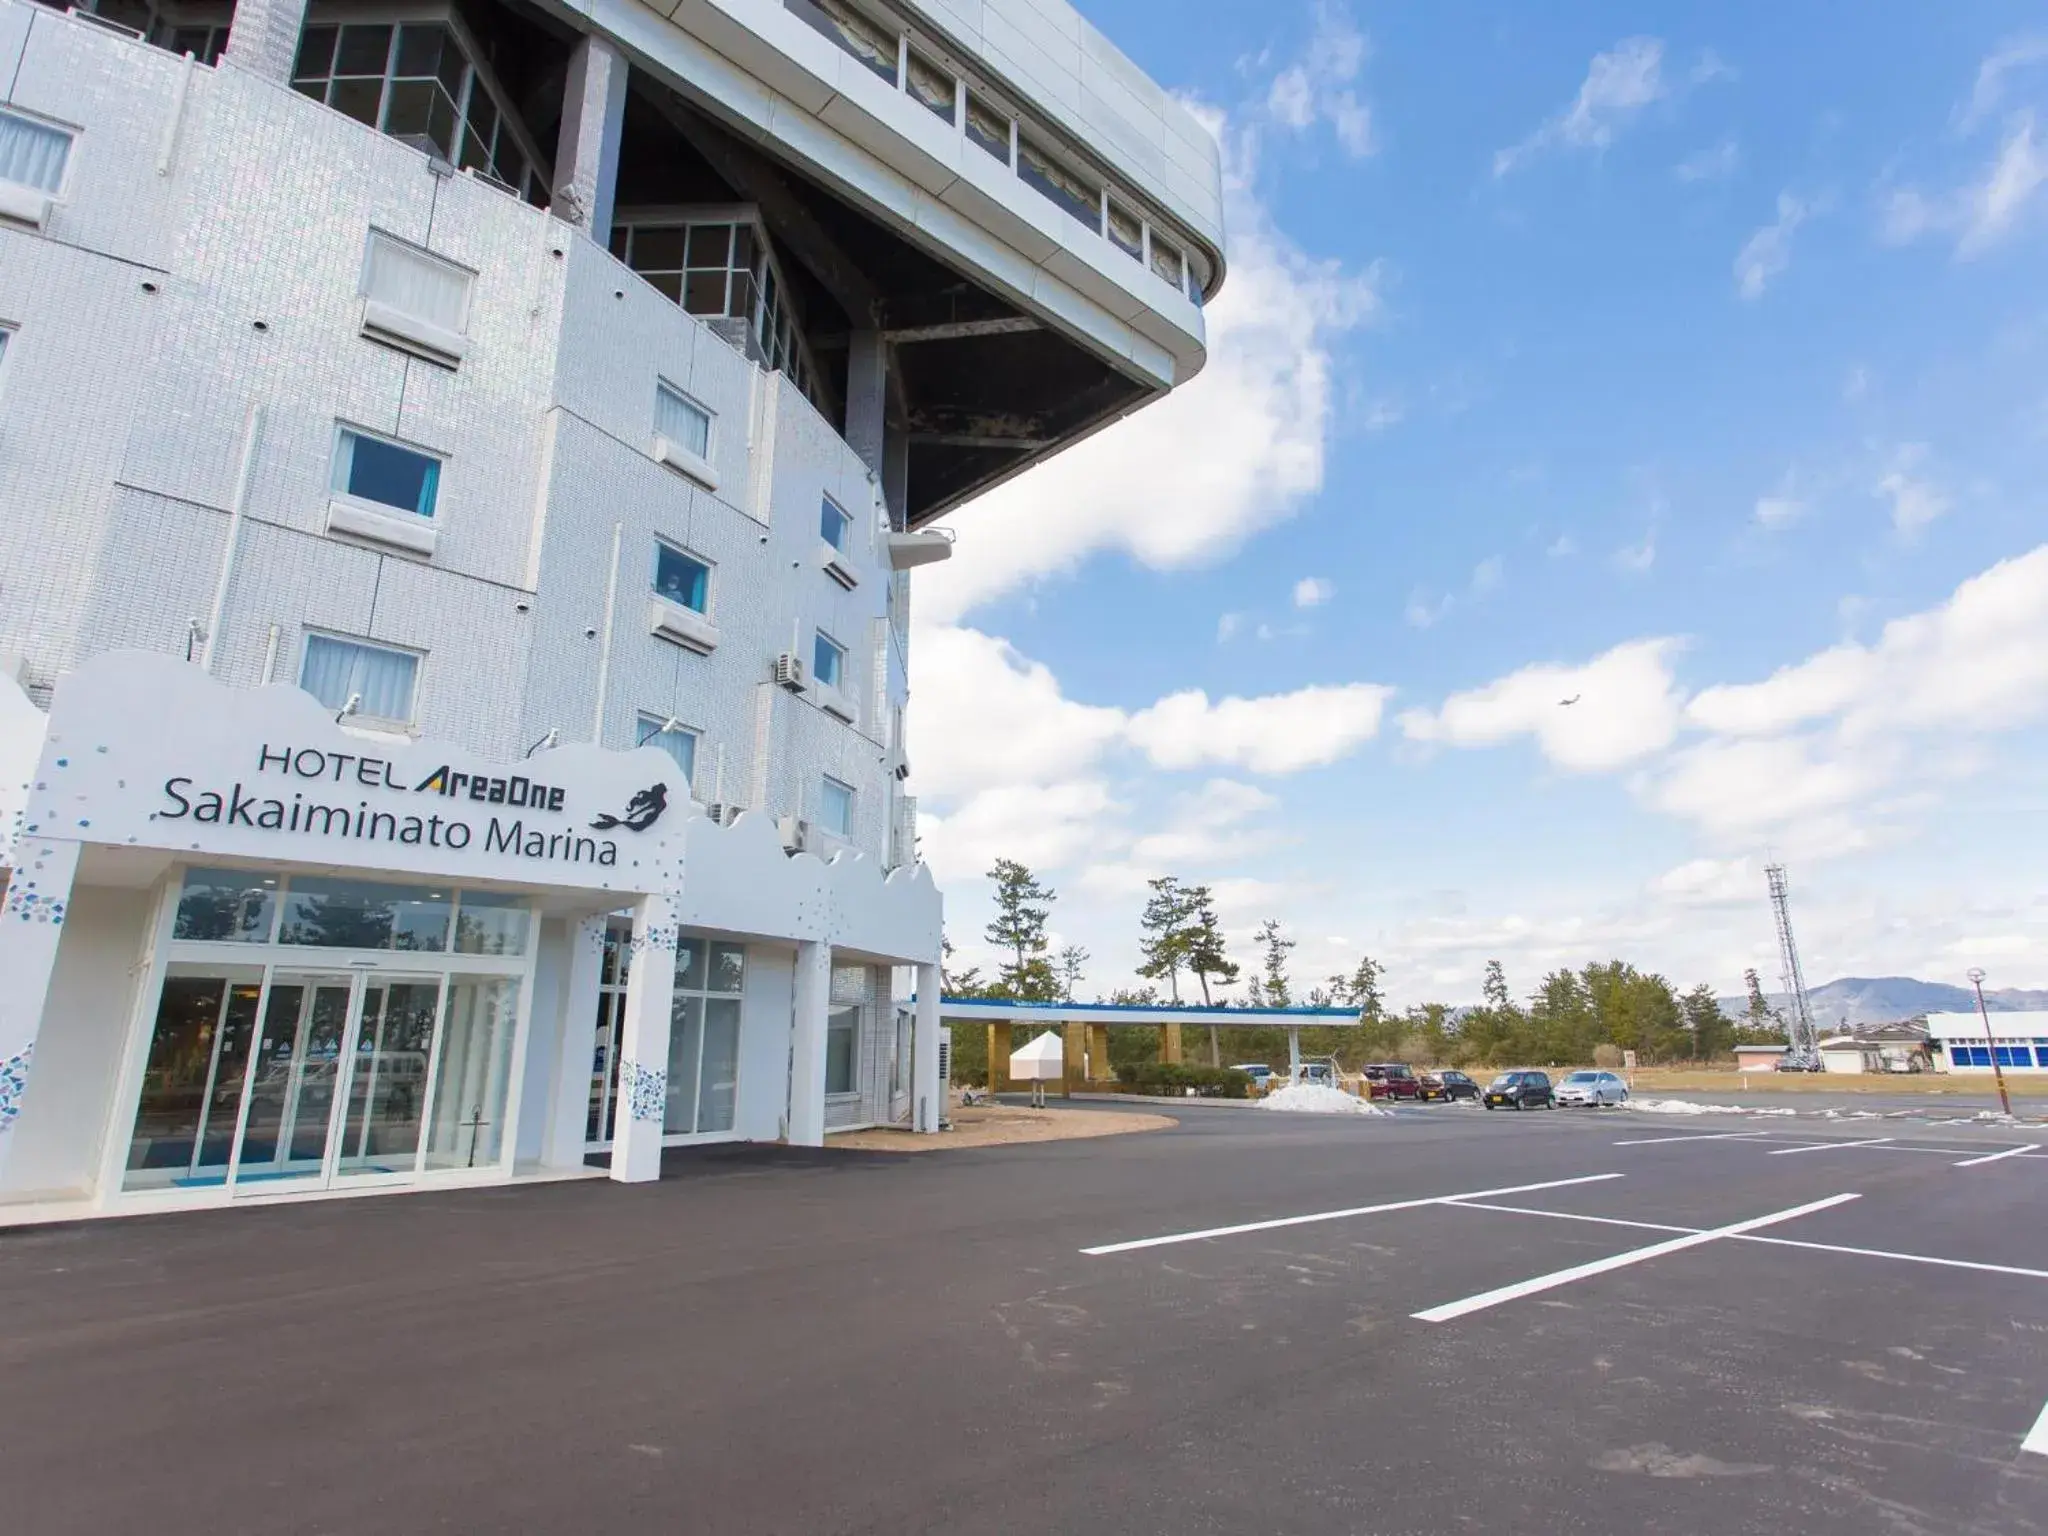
1448,1084
1319,1073
1260,1074
1592,1088
1519,1090
1392,1080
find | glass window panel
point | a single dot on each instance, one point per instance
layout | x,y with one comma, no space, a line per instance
322,913
743,247
866,41
387,1082
718,1078
371,469
668,284
441,122
833,525
317,89
335,669
835,808
685,1037
191,1097
728,968
709,245
690,962
454,70
739,301
621,233
931,85
681,420
419,49
657,250
475,154
827,660
1125,232
1166,261
358,99
679,743
316,53
225,906
492,923
681,579
704,293
467,1128
842,1030
988,128
511,161
363,50
1067,188
408,105
410,280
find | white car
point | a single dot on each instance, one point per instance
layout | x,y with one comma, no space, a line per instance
1594,1088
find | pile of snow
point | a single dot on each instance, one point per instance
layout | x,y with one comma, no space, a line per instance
1687,1107
1318,1099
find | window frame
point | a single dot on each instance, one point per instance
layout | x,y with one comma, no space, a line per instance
645,737
828,509
25,204
821,641
415,333
347,429
827,783
681,456
670,546
363,643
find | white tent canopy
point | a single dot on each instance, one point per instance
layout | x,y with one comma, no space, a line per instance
1042,1061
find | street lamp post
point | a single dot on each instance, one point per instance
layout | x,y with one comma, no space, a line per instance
1997,1070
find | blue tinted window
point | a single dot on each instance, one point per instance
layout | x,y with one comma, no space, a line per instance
681,579
832,526
370,469
828,660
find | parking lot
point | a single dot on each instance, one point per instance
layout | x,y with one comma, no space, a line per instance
1598,1321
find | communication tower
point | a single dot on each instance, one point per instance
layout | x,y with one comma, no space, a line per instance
1801,1037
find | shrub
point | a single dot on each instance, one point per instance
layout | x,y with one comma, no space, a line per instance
1607,1057
1174,1078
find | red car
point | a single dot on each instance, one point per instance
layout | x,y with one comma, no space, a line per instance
1392,1080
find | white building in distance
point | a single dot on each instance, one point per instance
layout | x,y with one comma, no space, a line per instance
464,468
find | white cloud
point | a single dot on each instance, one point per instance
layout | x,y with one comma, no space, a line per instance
972,690
1768,252
1044,826
1380,414
1988,93
1635,559
1279,733
1228,626
1781,507
1711,67
1980,213
1916,500
1746,787
1618,85
1318,88
1423,611
1717,162
1625,708
1207,828
1710,882
1187,479
1488,574
1313,591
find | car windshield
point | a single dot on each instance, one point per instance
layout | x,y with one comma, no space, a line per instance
1506,1080
1399,1072
1583,1077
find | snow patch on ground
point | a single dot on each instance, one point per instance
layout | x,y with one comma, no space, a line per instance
1316,1099
1687,1107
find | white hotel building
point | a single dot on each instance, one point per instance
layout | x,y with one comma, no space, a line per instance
463,465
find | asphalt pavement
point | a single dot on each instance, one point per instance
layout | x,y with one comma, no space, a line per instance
773,1340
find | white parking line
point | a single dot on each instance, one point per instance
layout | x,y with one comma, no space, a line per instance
1360,1210
1997,1156
1659,1141
1829,1146
1521,1288
2037,1437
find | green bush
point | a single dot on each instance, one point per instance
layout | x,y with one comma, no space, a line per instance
1173,1079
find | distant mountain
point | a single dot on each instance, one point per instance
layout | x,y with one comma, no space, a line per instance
1883,999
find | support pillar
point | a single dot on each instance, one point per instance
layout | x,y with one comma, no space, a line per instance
1073,1057
1099,1068
1169,1043
31,924
643,1044
1293,1053
867,396
263,38
927,1093
998,1057
807,1045
563,1137
587,154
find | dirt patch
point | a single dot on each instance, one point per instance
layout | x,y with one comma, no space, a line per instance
1004,1125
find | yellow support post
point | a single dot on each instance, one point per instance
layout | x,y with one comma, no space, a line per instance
1099,1069
1169,1043
1073,1060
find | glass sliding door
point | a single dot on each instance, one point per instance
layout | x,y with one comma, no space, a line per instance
386,1096
191,1099
473,1078
704,1037
293,1082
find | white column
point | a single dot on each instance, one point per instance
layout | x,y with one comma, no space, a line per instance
807,1045
867,396
562,1138
928,1094
587,154
31,924
263,38
643,1046
1293,1053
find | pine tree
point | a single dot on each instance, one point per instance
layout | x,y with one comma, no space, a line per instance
1166,923
1022,907
1272,989
1206,957
1071,959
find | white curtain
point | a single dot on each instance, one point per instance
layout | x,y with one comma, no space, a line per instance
416,284
335,669
681,422
32,154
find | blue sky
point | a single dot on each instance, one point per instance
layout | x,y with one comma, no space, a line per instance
1688,363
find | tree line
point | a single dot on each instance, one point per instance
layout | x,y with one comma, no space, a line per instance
1593,1013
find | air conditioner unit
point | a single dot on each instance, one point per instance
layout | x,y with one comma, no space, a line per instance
902,769
789,672
945,1056
721,815
796,833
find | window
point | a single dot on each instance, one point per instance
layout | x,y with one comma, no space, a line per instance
833,525
835,808
1126,231
1166,262
929,85
1071,192
416,285
371,469
681,421
867,41
336,670
226,906
988,128
32,160
416,82
678,741
704,1036
842,1035
828,660
681,578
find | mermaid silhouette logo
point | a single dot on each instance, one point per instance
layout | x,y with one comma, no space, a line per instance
642,811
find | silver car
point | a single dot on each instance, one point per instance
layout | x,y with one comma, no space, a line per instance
1594,1088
